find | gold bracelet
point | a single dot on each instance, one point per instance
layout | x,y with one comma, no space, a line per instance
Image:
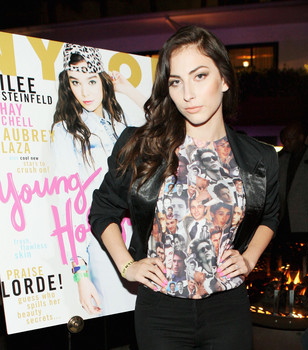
126,267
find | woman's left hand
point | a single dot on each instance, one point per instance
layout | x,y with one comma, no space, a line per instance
233,264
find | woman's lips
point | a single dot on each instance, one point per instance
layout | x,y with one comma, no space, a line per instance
193,110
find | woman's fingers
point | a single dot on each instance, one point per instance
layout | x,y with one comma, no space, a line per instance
148,271
232,264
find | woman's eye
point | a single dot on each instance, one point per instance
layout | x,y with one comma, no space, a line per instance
92,82
174,82
201,76
74,82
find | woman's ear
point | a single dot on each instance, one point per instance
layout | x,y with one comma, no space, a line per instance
224,86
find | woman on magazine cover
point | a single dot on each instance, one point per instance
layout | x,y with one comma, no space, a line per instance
87,122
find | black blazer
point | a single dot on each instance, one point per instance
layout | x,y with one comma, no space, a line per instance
258,164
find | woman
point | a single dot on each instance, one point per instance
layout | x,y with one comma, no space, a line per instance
194,93
87,122
88,118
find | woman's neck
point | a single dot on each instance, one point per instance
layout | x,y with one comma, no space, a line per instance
212,130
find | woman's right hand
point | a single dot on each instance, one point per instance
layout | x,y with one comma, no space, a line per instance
87,295
146,271
149,271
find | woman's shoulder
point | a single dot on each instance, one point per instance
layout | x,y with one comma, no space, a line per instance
249,141
127,133
124,137
129,130
60,124
248,151
59,128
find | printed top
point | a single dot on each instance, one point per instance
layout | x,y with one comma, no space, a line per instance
196,219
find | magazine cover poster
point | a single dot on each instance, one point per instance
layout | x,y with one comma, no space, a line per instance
63,106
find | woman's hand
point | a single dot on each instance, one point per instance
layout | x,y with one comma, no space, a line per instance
146,271
88,294
233,264
120,83
123,86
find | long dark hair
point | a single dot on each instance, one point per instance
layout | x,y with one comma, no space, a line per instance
68,109
165,130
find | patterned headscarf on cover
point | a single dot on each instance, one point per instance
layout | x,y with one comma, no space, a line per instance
90,54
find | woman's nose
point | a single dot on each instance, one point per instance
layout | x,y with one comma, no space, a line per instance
84,91
189,93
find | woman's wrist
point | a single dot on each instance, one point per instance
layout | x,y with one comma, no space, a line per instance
78,276
125,267
249,265
79,269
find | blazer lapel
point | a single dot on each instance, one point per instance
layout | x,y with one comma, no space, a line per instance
253,175
142,209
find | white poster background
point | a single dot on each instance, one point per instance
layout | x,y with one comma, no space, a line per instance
37,284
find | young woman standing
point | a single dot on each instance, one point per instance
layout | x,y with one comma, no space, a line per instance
193,95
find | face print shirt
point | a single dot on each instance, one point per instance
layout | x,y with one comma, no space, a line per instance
196,219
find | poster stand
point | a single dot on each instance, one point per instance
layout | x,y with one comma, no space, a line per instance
76,325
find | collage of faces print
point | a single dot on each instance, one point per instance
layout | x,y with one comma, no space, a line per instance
196,219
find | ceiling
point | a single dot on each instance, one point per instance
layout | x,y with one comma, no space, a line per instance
147,32
111,32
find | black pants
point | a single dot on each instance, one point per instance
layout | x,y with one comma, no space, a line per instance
219,322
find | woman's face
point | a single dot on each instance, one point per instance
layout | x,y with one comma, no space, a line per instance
195,86
87,88
221,217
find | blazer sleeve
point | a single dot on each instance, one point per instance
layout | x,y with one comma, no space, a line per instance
110,200
271,208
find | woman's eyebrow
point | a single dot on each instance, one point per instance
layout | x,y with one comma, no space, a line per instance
191,72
